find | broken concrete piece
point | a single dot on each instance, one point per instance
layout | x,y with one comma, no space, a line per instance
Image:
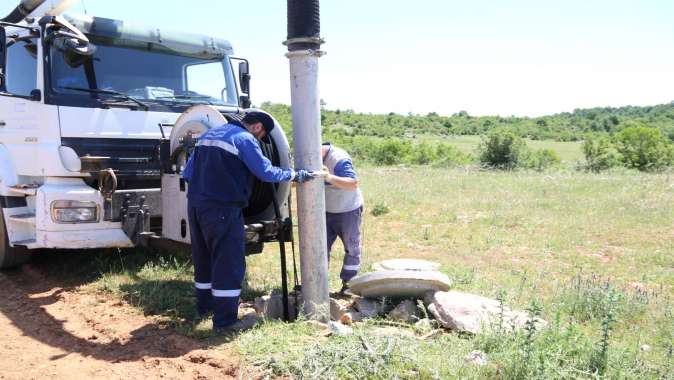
406,264
399,283
271,306
337,310
472,313
339,329
368,308
350,317
406,311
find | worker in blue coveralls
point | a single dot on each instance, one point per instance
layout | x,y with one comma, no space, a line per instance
344,208
219,174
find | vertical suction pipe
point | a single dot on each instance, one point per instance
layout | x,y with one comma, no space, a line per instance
303,44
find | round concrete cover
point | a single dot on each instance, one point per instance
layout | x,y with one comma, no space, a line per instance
406,264
398,283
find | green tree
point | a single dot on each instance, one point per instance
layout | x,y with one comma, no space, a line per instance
501,149
644,148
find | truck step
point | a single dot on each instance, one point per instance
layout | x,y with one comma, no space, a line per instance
24,190
28,217
25,243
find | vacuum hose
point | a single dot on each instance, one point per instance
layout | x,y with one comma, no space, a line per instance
304,25
22,10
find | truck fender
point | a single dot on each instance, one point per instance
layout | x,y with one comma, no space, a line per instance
8,177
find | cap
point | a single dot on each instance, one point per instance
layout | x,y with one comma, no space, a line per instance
260,117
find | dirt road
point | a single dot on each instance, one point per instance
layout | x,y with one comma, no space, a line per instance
50,328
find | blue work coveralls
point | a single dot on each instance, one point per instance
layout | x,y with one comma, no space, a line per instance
219,175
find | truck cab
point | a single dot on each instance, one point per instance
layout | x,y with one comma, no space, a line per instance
96,120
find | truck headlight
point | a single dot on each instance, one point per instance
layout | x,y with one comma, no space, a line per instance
74,212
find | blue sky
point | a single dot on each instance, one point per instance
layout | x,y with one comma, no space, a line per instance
516,57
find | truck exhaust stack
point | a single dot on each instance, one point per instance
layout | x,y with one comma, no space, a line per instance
303,44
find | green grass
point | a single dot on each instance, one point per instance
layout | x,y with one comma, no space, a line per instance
596,252
569,152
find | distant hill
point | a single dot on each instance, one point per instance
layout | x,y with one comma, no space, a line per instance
567,126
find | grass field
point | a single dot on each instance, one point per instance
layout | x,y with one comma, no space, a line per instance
595,253
569,152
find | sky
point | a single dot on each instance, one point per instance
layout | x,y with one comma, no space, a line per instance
508,57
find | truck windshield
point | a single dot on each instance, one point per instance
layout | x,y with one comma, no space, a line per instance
157,76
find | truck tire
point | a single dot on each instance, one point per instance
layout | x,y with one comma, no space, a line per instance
10,257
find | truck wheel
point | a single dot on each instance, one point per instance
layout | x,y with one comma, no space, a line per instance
10,257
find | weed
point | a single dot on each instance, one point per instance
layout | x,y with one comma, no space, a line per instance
380,208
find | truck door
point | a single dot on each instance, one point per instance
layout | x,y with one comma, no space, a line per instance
28,128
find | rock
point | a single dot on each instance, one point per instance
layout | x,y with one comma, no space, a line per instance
271,306
339,329
406,311
472,313
368,308
350,317
406,264
337,310
478,358
645,347
399,283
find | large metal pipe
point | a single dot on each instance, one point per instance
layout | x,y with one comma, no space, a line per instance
303,52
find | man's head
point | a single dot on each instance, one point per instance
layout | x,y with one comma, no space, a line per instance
259,124
325,148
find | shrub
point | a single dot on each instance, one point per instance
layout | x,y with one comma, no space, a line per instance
422,154
600,154
380,208
390,152
542,159
447,155
644,148
502,149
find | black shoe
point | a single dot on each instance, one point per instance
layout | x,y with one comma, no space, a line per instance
246,323
344,291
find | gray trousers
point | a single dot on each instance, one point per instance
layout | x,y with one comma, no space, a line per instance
346,226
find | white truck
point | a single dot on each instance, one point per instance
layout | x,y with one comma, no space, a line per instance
97,118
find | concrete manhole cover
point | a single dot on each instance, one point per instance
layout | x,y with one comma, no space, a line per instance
406,264
399,283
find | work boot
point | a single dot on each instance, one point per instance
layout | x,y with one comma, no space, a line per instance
246,323
344,291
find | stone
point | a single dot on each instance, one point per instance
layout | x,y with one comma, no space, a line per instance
406,311
337,310
271,306
406,264
368,308
465,312
350,317
399,283
645,348
339,329
477,358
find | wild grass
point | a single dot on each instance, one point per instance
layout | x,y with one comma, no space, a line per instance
592,253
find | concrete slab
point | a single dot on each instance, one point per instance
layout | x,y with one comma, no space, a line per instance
399,283
406,264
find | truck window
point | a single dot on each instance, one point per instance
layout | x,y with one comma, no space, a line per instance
22,67
207,79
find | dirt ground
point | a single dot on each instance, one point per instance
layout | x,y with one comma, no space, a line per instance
52,329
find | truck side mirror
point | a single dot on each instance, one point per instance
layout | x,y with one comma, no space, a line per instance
244,77
3,58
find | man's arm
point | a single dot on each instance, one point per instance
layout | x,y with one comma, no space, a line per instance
251,155
345,176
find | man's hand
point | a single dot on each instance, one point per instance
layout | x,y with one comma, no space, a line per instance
302,176
328,176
